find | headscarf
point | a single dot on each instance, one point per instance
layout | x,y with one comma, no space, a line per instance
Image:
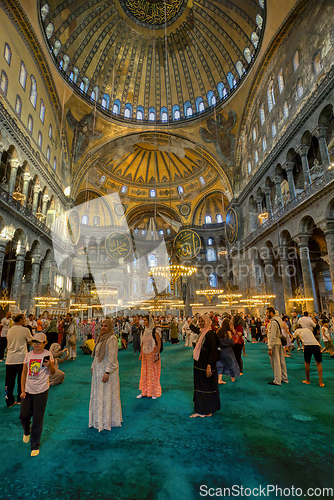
54,349
147,340
100,348
204,331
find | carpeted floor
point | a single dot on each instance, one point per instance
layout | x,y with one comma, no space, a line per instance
263,435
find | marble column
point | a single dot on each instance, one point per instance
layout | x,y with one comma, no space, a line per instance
18,275
3,244
45,203
267,191
329,236
14,165
308,278
36,191
321,134
289,165
269,273
286,280
35,270
98,252
25,189
259,204
278,188
303,150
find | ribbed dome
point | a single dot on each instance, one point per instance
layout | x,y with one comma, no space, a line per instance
154,60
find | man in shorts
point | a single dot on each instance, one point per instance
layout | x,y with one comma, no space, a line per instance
311,346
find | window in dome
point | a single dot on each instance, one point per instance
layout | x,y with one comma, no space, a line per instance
30,124
213,280
285,109
42,111
180,190
255,39
56,47
168,231
143,232
273,129
50,131
23,75
4,82
106,101
82,87
164,114
124,189
176,112
44,11
7,54
161,232
66,62
103,179
33,91
188,111
152,261
262,114
256,156
151,114
96,220
280,81
249,167
259,21
40,140
71,77
135,232
317,63
135,285
210,241
75,75
61,64
86,83
296,60
264,143
211,98
85,220
248,55
93,95
208,219
48,153
254,134
128,111
261,2
49,30
199,104
231,80
18,106
219,218
54,163
300,90
140,115
153,193
271,96
202,180
211,254
240,69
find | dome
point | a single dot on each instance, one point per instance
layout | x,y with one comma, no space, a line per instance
154,60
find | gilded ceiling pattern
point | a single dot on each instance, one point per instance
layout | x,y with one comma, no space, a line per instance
119,54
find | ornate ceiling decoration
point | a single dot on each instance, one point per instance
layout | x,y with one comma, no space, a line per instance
153,60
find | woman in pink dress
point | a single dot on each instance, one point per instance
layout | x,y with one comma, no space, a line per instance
149,384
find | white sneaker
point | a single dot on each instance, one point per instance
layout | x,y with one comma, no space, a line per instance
139,396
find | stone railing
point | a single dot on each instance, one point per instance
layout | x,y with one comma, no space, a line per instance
316,186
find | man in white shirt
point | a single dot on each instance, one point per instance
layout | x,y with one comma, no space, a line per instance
17,338
275,348
307,322
311,346
5,324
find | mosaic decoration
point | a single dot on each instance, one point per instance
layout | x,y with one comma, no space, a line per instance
154,13
187,244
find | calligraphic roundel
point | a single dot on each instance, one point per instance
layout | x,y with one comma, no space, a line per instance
73,227
187,244
231,226
118,245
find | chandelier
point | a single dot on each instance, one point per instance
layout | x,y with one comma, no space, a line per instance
173,272
47,300
209,293
18,195
300,298
103,291
39,214
5,301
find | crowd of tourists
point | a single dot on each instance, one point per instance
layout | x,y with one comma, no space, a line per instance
34,348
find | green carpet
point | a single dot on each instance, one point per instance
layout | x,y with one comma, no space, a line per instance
263,435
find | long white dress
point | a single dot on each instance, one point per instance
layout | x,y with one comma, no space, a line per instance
105,409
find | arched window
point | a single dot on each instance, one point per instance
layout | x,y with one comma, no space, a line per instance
93,95
42,111
221,90
75,74
161,232
48,153
240,68
82,87
259,21
30,124
280,81
254,134
56,47
18,106
140,113
271,96
249,167
285,109
124,189
96,220
168,231
199,104
4,82
231,80
151,114
213,280
66,62
208,219
7,54
23,75
256,157
40,140
105,102
210,241
180,190
128,111
85,220
153,193
135,285
54,163
103,179
255,39
219,219
295,60
210,95
176,112
317,63
61,64
273,129
164,114
211,254
44,11
49,30
33,91
71,77
248,55
264,143
152,261
262,114
300,90
50,131
188,111
202,180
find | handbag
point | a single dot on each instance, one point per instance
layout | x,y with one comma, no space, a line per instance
283,338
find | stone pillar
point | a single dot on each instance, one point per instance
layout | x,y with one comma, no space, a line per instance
286,280
18,275
3,244
14,165
259,204
269,273
36,266
329,236
303,150
45,203
308,279
289,172
278,188
321,134
25,189
98,252
267,191
36,190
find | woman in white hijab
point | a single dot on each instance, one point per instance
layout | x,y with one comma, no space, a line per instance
149,384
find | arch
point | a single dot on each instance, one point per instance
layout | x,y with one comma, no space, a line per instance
176,112
7,54
306,224
255,39
140,113
188,111
259,21
49,30
42,111
248,55
151,114
33,91
30,125
231,80
306,138
128,111
56,47
326,115
164,114
4,83
199,104
44,11
18,106
222,90
105,102
240,68
211,254
23,75
213,280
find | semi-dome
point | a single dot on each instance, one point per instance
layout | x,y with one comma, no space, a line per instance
154,60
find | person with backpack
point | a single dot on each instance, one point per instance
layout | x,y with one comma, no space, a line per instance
151,347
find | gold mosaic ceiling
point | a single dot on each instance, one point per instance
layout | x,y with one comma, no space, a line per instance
154,60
